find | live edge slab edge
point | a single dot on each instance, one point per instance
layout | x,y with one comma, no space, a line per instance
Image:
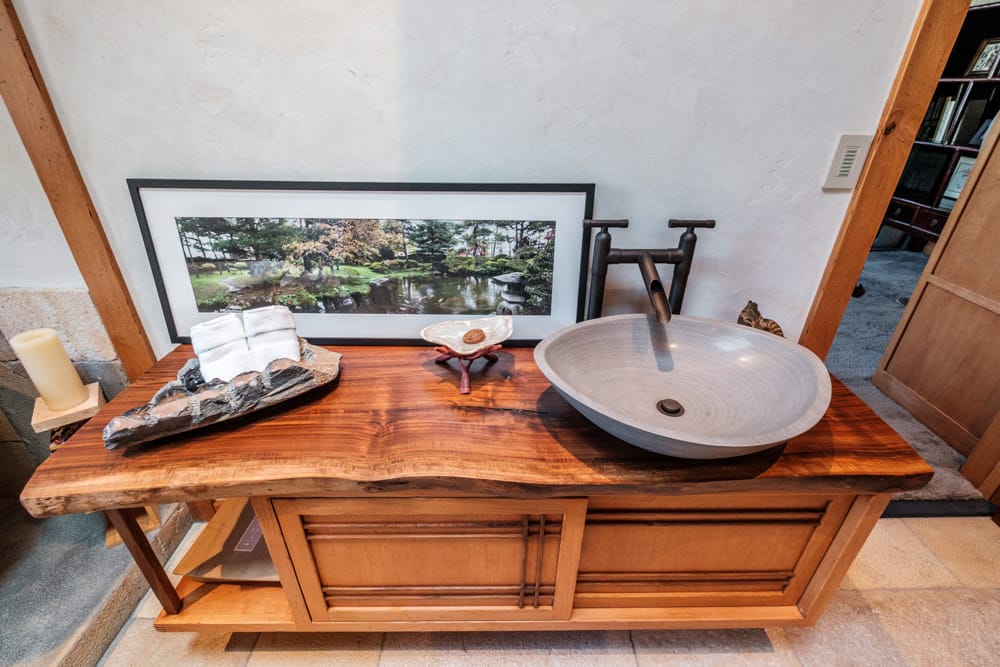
383,497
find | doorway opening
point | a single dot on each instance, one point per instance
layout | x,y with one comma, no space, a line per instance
954,126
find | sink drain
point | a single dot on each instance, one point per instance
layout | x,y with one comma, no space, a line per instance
670,407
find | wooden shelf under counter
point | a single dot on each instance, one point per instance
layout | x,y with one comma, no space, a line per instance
392,502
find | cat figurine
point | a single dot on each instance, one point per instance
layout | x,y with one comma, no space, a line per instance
750,316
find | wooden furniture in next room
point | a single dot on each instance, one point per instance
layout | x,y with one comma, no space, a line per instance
953,130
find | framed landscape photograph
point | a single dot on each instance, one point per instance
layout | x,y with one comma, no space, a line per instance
365,262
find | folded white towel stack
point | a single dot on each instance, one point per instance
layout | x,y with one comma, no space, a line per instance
221,348
209,335
268,318
271,335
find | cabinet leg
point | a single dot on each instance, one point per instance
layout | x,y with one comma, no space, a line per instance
201,510
142,552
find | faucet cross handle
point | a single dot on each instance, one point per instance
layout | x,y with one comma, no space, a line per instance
604,224
691,224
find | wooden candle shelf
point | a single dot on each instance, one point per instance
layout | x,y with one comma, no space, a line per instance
44,419
393,502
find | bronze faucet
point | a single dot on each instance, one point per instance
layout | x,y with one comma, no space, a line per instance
647,260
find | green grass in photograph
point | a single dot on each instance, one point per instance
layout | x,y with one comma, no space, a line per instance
213,285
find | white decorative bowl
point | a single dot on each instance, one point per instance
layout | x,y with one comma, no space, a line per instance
449,333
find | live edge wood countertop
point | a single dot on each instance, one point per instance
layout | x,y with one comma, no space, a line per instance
395,424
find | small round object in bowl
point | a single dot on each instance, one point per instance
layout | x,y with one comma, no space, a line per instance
473,336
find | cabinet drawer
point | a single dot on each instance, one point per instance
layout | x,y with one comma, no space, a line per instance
406,559
931,221
900,212
721,551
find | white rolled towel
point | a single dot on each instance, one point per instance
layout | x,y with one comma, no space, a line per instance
267,347
271,335
216,332
266,319
221,348
226,361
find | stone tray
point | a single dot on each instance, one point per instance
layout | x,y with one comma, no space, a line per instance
189,402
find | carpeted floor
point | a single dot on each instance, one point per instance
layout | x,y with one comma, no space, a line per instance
888,279
63,594
59,562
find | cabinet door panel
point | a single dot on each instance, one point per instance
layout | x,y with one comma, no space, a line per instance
935,356
690,551
434,558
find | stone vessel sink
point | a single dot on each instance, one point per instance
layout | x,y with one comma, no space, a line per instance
739,390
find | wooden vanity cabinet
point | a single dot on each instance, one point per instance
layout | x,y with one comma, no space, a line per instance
404,505
501,563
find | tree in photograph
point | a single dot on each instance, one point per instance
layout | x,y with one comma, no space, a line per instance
330,242
477,237
259,238
538,273
191,242
362,240
434,239
313,250
398,233
529,235
201,239
502,242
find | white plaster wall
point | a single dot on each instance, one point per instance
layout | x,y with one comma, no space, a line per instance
675,108
33,250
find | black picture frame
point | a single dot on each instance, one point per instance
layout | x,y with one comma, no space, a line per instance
176,218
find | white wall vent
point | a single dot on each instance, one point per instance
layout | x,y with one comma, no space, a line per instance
852,149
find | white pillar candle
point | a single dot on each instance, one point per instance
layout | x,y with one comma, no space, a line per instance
49,368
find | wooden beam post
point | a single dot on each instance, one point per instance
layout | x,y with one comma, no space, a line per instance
930,45
31,109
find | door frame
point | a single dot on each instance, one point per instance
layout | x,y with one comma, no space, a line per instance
930,45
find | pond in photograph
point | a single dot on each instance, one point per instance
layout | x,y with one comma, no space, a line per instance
433,295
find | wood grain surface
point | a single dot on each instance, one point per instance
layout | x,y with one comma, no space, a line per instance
395,424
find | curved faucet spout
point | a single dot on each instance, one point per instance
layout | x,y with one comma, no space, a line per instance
654,287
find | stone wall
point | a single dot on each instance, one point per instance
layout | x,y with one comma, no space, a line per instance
72,313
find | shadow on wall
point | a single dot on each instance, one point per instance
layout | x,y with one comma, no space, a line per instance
21,449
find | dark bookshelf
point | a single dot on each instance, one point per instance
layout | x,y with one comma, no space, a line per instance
964,106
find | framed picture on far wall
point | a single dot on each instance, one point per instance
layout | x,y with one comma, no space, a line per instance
365,262
986,57
963,167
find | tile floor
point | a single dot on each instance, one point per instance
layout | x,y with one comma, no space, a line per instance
922,592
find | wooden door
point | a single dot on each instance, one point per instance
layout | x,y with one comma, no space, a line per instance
943,361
